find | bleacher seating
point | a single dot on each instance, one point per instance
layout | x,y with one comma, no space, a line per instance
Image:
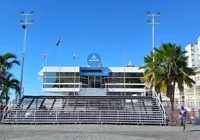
87,109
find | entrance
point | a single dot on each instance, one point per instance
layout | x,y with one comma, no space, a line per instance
94,81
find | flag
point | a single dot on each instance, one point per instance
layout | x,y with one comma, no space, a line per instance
45,55
74,56
58,42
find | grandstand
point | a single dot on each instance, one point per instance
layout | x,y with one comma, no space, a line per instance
87,109
94,94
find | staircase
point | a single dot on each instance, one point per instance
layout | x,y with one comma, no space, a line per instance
92,92
90,109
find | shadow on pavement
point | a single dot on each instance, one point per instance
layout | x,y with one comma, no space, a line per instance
194,131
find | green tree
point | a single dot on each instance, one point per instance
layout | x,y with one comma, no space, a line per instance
153,74
8,83
168,69
7,61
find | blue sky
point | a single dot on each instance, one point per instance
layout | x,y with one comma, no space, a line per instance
108,27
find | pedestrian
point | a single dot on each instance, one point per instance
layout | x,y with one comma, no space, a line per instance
182,116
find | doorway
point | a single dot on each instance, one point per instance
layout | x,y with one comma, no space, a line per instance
94,81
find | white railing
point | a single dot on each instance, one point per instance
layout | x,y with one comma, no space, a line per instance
93,116
11,105
159,103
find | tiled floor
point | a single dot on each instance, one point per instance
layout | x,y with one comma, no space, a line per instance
96,132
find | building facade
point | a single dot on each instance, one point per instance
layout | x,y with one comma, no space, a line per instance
192,95
193,54
112,80
93,80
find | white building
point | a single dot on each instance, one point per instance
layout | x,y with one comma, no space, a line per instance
193,53
192,95
94,80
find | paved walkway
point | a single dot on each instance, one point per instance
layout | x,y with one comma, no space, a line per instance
96,132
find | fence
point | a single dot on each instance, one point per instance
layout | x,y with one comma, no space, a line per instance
93,116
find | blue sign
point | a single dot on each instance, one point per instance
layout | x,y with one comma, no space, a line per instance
94,60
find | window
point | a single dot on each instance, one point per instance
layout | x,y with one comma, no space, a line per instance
91,71
134,74
61,86
126,86
116,74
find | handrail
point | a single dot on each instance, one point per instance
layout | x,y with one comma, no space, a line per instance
156,95
8,107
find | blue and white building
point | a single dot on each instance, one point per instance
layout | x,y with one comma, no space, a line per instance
93,79
91,94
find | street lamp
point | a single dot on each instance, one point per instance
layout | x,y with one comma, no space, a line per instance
153,22
24,26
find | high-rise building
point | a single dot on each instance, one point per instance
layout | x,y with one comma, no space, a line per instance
193,53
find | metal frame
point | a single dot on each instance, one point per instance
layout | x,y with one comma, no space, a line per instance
153,23
24,26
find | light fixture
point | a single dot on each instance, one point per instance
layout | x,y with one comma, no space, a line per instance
158,13
32,12
22,12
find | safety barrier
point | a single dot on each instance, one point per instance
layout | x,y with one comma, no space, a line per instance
94,116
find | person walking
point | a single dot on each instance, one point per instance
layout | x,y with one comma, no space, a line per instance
182,116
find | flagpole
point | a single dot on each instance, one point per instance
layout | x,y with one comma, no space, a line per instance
45,69
124,72
74,57
74,75
59,66
44,73
59,57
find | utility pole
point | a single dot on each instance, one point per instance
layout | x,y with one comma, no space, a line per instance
24,26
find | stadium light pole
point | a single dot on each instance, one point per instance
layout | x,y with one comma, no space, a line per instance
24,26
153,23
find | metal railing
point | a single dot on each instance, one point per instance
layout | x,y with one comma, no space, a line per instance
94,116
160,104
11,105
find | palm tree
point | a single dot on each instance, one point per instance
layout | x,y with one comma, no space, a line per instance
168,69
8,83
153,74
7,61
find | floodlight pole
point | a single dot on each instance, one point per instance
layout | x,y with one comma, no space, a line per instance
153,23
24,26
